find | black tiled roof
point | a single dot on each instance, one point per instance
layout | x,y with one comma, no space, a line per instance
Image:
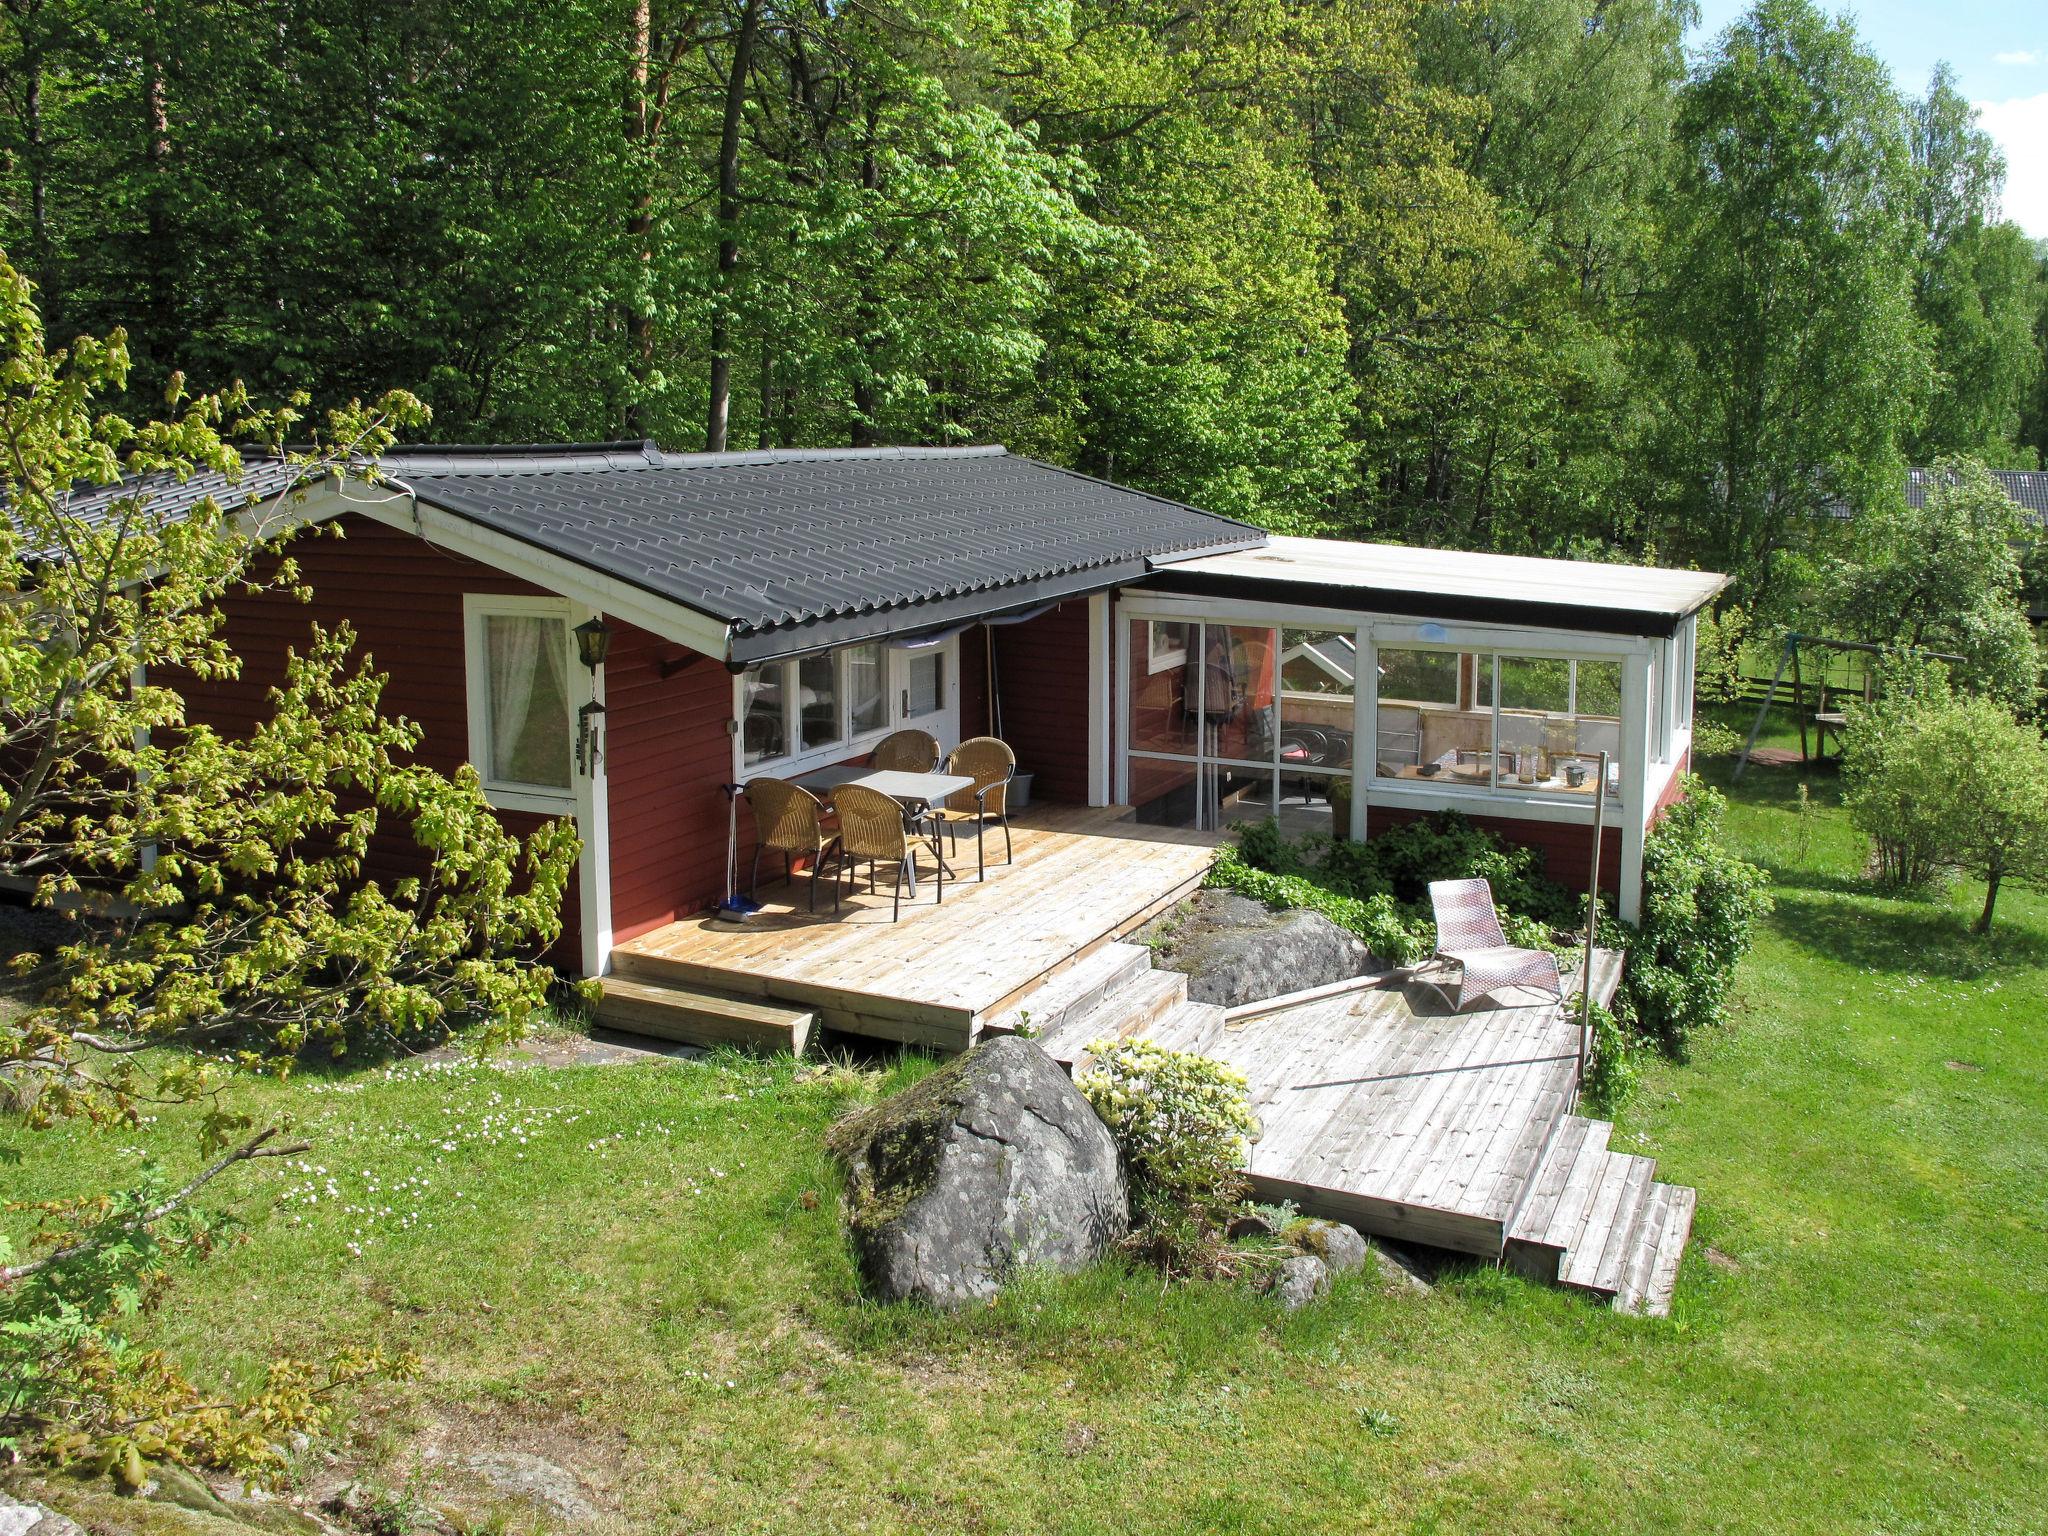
799,548
2027,487
795,548
262,478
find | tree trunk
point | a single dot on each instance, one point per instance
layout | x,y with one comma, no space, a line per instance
639,315
866,400
158,264
1983,924
719,417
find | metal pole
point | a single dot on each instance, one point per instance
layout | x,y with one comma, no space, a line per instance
1756,726
1592,919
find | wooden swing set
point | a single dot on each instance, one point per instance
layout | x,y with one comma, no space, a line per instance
1824,719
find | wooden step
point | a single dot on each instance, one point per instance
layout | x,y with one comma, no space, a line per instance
1652,1274
1072,992
696,1017
1564,1183
1127,1009
1593,1260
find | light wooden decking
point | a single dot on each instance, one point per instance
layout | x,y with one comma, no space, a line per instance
1082,877
1382,1109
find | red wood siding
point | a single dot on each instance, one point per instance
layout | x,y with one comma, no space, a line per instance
1042,676
404,599
1674,791
1567,847
669,748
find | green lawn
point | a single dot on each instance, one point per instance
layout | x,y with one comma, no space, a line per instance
638,1271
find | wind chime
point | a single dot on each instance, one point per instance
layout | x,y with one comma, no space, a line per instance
593,642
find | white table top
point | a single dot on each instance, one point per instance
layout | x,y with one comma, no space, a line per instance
923,788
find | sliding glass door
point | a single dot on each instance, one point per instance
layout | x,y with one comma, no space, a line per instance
1239,722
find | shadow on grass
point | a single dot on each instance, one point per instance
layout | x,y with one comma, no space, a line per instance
1894,935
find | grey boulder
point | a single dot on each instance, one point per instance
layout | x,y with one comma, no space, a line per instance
1298,1280
21,1518
1236,950
993,1163
1338,1246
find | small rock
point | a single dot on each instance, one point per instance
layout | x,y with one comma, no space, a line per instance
186,1489
1335,1244
1248,1224
1399,1271
545,1484
1299,1280
19,1518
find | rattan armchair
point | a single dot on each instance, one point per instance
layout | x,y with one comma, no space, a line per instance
991,764
873,826
791,819
908,752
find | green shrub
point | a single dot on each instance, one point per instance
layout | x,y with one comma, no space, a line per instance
1184,1126
1701,905
1379,890
1710,738
1374,920
1611,1070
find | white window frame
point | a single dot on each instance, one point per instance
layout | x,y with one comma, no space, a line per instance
507,795
942,723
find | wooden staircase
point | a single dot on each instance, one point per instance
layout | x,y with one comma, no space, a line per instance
1112,994
650,1004
1585,1217
1598,1221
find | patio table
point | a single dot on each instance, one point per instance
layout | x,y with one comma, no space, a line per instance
916,792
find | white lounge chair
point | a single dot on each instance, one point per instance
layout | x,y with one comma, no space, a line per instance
1468,935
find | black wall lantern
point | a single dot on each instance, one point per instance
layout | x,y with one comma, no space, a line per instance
593,642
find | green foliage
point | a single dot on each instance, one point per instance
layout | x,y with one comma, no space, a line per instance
1612,1071
1940,780
228,872
1380,889
1943,576
1784,313
1700,908
74,1387
1374,919
1183,1126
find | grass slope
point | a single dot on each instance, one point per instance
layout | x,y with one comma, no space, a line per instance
639,1271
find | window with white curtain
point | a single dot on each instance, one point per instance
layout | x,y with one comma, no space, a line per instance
521,714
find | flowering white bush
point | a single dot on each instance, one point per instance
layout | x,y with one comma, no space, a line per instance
1183,1123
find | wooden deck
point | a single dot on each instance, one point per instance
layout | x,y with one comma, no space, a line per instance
1382,1109
1082,878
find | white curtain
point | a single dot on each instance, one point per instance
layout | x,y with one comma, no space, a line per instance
528,664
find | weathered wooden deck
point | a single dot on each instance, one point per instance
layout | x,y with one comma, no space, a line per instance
1383,1109
1082,877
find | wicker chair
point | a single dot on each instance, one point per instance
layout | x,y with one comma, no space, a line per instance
1468,935
991,764
908,752
791,819
872,826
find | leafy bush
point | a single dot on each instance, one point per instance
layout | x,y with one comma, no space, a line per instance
1611,1071
1183,1125
1938,780
1380,889
1710,738
1700,908
1374,920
